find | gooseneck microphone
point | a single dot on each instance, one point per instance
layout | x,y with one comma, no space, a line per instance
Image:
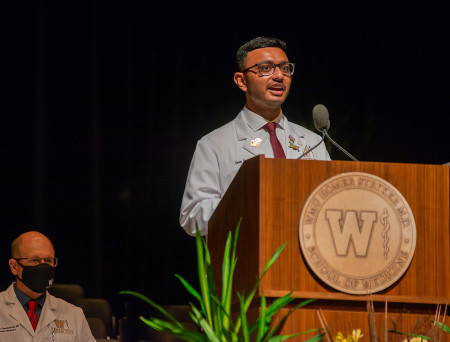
322,124
321,119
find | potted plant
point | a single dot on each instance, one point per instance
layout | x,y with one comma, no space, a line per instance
213,314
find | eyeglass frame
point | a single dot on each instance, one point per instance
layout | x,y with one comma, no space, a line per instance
274,68
55,261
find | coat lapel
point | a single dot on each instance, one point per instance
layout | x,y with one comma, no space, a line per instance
16,311
48,312
252,141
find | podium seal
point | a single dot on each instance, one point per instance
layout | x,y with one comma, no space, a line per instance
357,233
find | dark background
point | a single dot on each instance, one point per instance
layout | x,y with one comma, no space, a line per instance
102,104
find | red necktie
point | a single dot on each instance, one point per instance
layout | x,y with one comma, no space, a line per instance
32,314
276,146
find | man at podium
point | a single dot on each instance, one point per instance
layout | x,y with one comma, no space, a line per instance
265,76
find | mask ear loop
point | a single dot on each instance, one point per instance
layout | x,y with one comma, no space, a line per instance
17,275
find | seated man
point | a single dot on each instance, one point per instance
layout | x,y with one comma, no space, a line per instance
265,76
27,311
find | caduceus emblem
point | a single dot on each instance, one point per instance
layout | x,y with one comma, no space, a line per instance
386,225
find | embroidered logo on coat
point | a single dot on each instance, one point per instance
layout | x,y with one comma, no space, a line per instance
59,324
59,327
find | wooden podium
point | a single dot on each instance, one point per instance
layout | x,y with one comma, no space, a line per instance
269,195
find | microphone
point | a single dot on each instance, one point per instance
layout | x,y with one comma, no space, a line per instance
321,119
322,124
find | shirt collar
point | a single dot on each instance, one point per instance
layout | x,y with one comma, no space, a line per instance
24,299
256,121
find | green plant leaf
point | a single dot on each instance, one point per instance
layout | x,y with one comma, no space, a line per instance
444,327
316,338
281,338
243,318
216,312
205,326
250,297
262,320
278,327
152,303
273,259
214,315
228,267
181,333
266,268
305,302
278,304
423,337
204,289
161,325
189,288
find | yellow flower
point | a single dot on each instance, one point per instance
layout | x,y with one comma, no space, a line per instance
354,337
340,338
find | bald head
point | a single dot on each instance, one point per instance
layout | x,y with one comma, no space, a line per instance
28,247
31,242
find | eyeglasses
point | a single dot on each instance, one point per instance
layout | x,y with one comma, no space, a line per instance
36,261
268,68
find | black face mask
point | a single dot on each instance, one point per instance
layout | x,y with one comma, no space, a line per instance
37,278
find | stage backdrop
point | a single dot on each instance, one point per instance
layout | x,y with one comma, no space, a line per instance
102,104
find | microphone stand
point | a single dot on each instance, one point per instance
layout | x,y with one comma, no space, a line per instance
337,145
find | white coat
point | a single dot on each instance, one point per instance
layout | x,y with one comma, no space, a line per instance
59,321
219,155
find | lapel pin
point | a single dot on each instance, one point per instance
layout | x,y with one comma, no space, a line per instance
309,155
255,142
292,143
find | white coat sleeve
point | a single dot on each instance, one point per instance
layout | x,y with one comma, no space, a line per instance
203,190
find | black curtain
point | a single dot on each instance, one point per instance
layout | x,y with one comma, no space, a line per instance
102,105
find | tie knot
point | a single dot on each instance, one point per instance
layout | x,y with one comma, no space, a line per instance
270,127
32,305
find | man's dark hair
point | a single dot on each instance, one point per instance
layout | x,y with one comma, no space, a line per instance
257,43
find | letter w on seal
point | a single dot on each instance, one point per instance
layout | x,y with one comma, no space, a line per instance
350,230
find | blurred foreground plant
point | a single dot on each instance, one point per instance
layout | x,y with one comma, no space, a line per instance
432,329
353,337
214,314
